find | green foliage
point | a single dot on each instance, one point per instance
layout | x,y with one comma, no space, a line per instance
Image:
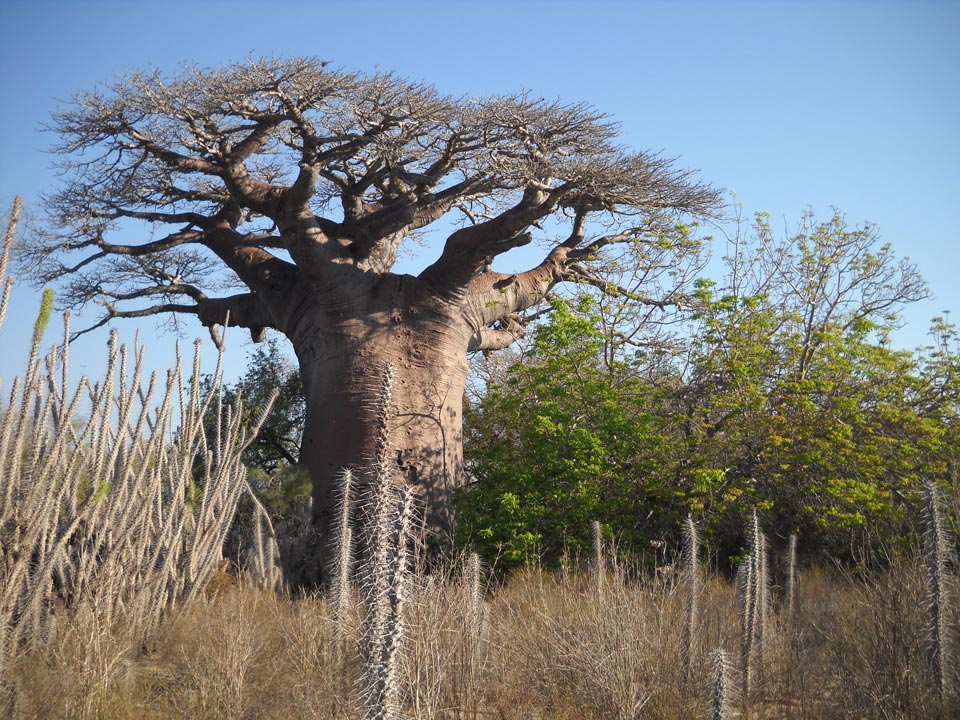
797,396
282,490
278,443
783,395
43,318
564,441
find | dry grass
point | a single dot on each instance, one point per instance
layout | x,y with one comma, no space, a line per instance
549,649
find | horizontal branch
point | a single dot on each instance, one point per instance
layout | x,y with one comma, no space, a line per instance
243,310
107,249
190,291
112,312
117,211
496,338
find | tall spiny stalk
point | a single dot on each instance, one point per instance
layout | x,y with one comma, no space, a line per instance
941,618
473,629
342,553
473,605
762,592
754,602
691,578
94,512
11,232
384,589
264,567
599,560
791,590
721,687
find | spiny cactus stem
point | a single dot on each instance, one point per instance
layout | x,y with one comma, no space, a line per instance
791,599
721,690
599,559
343,550
940,594
691,549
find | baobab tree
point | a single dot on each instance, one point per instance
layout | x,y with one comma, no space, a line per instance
297,184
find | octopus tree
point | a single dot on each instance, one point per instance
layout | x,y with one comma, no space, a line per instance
297,184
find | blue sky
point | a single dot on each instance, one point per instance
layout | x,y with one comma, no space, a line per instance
790,104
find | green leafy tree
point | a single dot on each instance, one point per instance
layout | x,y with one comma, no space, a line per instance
787,398
273,456
564,440
796,404
278,443
939,400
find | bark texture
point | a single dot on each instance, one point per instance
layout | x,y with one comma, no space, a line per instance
424,340
298,185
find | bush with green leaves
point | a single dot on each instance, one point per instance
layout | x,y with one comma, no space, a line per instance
565,440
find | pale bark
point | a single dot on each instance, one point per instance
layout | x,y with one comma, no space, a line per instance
424,340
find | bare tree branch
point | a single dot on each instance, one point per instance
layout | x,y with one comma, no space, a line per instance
339,169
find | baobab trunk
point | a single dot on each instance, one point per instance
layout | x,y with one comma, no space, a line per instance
343,361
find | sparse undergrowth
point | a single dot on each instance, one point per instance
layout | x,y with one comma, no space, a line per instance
549,648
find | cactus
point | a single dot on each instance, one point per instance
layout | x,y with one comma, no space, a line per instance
342,553
791,589
384,589
691,579
598,561
940,595
721,687
754,602
474,609
7,282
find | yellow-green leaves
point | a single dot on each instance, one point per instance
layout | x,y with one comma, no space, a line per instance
43,318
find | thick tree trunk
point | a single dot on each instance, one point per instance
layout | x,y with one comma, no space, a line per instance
344,350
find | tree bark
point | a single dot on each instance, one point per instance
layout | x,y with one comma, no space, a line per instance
344,347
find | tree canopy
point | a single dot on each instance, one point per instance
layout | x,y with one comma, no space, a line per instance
246,165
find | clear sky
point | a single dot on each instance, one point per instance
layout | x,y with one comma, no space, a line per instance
790,104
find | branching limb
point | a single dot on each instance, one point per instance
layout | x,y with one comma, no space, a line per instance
470,249
492,296
257,268
502,335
